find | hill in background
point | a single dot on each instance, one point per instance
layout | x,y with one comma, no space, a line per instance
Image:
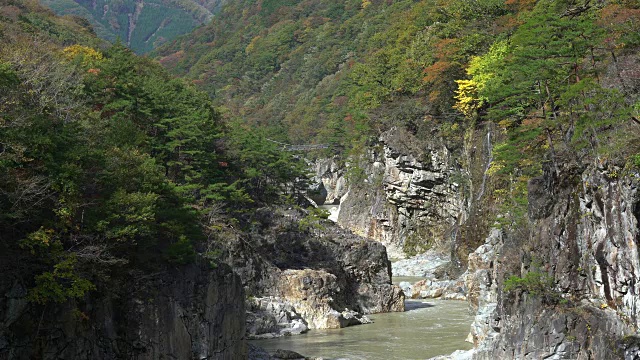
141,24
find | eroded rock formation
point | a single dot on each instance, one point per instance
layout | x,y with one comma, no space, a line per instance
585,233
404,193
318,277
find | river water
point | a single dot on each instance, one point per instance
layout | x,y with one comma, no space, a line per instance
428,328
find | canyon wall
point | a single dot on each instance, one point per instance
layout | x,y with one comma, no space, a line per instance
191,312
584,244
402,192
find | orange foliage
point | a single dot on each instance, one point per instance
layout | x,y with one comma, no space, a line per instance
435,71
445,49
532,122
507,22
172,60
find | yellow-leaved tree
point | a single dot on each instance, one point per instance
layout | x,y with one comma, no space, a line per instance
481,70
87,56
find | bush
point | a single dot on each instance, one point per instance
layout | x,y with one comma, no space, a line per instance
313,219
181,252
534,283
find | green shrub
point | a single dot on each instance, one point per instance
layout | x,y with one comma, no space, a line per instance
313,219
181,252
61,284
536,284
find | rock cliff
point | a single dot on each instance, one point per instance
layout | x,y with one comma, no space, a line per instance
404,193
579,243
305,273
584,244
185,313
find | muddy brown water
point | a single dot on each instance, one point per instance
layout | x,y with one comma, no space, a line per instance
428,328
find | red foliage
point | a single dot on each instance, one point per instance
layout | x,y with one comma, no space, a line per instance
445,49
172,60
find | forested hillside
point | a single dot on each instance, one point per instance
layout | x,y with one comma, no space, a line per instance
110,166
333,71
141,212
141,25
556,78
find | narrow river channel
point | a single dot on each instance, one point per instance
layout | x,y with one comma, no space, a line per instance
428,328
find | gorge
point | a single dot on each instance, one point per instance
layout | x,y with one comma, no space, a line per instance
480,161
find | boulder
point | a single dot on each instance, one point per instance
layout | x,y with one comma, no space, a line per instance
287,355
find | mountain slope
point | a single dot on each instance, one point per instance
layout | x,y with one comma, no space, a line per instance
513,118
141,24
96,238
329,72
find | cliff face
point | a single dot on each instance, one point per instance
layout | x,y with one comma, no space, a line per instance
585,237
188,313
579,242
411,197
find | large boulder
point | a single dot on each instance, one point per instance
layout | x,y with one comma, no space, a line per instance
316,276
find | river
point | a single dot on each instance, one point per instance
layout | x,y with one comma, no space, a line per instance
428,328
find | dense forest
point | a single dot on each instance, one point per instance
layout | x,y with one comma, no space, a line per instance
331,72
100,172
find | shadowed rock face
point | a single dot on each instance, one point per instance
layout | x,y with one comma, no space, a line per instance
187,313
324,276
585,231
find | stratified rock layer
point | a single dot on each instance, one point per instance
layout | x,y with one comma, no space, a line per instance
407,198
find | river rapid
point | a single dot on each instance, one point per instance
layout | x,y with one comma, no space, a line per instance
426,329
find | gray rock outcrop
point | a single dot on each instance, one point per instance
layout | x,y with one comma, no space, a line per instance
407,198
430,264
586,241
331,174
186,313
317,277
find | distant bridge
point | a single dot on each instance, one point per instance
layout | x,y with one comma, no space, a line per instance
290,147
